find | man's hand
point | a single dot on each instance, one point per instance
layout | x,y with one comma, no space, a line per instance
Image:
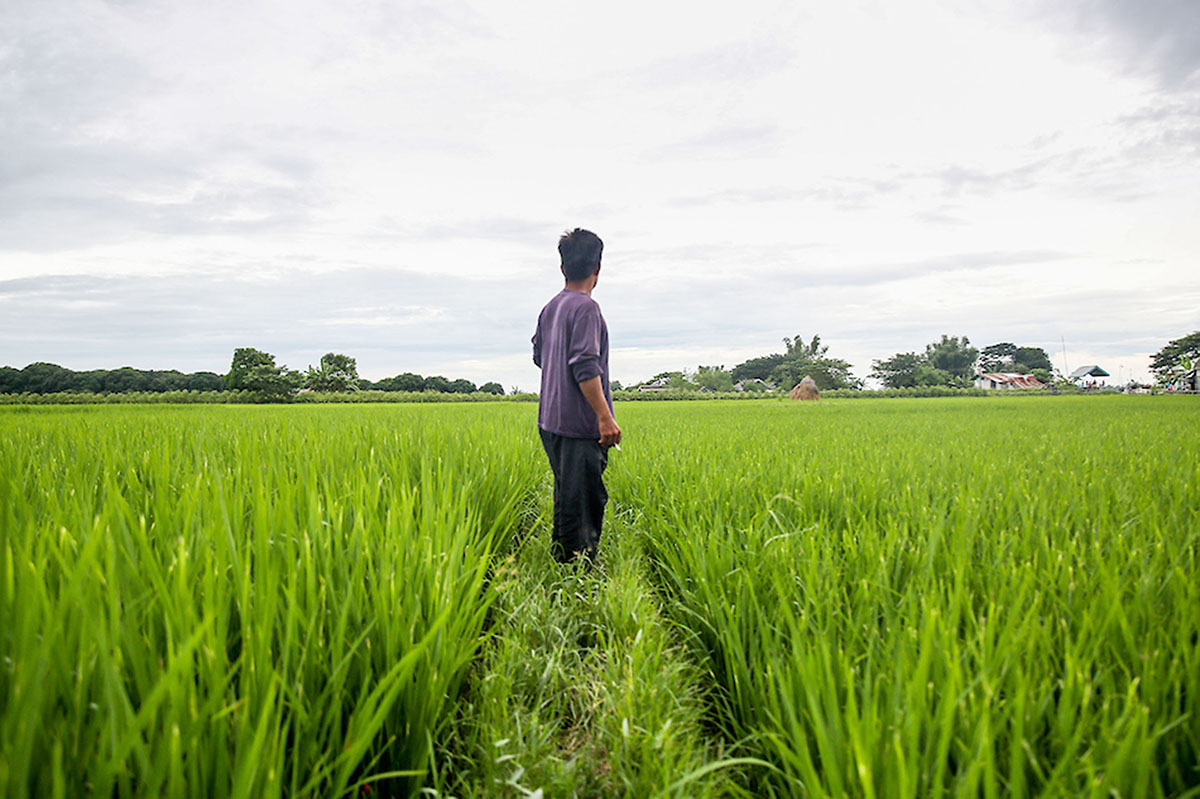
593,392
610,433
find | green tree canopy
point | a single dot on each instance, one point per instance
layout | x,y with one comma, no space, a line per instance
714,378
255,371
245,360
409,381
336,373
1180,355
1008,357
826,372
46,378
950,361
997,357
1032,359
899,371
801,358
756,368
492,388
204,381
796,348
953,355
10,380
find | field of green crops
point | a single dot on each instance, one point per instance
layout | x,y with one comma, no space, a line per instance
995,597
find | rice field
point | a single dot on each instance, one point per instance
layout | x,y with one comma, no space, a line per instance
991,597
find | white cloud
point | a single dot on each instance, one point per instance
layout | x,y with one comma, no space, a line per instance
873,172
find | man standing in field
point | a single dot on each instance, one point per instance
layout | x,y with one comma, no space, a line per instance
575,412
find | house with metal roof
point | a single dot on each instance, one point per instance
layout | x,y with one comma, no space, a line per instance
1007,380
1086,375
1088,371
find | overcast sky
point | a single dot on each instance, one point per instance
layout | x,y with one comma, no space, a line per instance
389,179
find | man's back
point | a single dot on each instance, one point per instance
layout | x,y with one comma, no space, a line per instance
570,346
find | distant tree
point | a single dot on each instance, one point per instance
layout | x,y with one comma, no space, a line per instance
926,374
255,371
899,371
826,372
462,386
436,383
409,381
811,359
165,380
948,362
796,348
714,378
997,357
204,381
123,381
616,386
800,358
756,368
91,380
492,388
1032,359
46,378
674,380
1008,357
1180,355
245,360
336,373
10,380
953,355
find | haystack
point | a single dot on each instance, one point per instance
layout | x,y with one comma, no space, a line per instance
806,390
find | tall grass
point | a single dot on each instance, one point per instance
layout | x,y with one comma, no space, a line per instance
915,599
246,602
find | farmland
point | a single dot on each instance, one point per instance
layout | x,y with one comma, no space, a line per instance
899,598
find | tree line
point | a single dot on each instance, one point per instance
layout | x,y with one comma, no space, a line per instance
250,370
950,362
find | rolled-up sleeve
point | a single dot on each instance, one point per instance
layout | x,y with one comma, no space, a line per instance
583,353
537,346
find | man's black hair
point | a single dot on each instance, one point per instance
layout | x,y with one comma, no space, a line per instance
580,251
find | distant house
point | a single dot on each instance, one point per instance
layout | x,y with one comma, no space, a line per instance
1086,375
753,384
654,385
1007,380
1088,371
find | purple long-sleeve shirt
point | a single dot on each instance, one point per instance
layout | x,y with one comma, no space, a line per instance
570,346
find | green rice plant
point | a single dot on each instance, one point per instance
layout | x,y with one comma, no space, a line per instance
244,601
953,598
583,690
906,598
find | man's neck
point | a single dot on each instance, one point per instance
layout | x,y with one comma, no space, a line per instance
582,286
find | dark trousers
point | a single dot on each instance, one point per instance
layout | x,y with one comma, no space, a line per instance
579,494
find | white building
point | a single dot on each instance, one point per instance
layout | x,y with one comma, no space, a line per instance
1086,375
